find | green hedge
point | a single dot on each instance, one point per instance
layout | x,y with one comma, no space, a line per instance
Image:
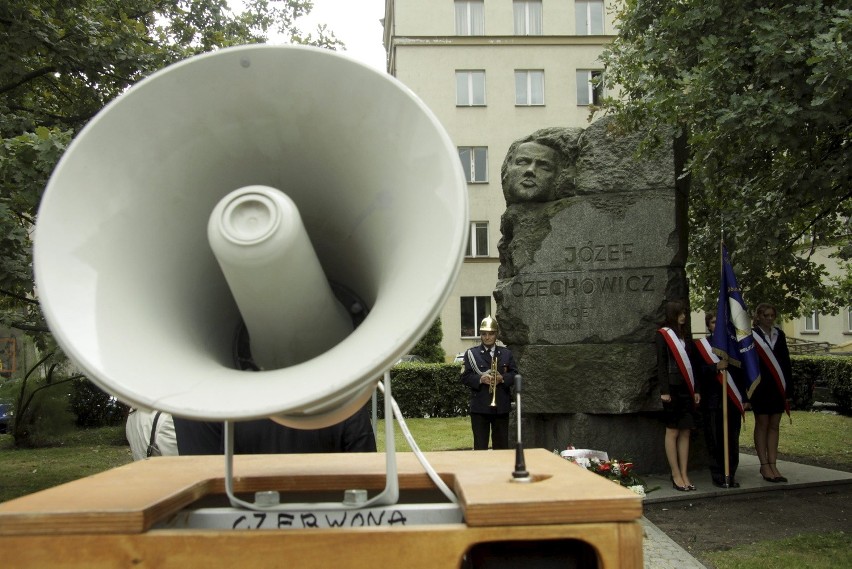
833,371
428,390
434,390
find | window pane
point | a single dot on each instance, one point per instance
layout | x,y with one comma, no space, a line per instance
478,85
581,10
521,87
520,17
468,316
481,240
461,18
596,18
461,88
477,18
596,87
536,87
483,309
464,155
583,88
480,164
534,18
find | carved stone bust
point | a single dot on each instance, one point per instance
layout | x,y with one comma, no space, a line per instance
539,167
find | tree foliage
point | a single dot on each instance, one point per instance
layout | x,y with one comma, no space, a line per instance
429,346
61,61
760,93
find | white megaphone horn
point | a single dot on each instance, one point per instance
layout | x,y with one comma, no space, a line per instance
335,204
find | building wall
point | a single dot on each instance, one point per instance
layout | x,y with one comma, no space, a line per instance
835,329
424,53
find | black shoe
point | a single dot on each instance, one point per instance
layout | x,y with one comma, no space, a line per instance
769,478
678,488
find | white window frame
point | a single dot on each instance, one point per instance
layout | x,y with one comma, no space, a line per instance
466,88
585,12
477,239
473,174
527,17
812,322
849,319
587,93
477,317
470,17
525,79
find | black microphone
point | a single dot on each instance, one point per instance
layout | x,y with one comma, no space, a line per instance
520,474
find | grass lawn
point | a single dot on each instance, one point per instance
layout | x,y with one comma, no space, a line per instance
82,453
806,551
816,437
821,438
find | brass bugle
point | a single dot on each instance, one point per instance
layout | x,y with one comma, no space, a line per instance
493,386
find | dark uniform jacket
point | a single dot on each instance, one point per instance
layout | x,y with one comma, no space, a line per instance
477,361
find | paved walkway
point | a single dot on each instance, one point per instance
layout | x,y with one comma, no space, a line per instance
661,552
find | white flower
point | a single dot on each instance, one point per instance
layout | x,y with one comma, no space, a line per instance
616,468
639,489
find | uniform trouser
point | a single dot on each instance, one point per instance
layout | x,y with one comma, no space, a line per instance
497,424
713,435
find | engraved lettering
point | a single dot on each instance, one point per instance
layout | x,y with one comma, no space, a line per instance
517,289
613,253
556,288
630,284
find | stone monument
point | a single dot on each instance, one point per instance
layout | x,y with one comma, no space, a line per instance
593,245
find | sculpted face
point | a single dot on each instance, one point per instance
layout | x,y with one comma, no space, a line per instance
531,176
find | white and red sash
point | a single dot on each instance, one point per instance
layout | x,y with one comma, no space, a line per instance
677,349
768,357
707,354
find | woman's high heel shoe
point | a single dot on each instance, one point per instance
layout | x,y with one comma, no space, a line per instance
678,488
778,478
768,478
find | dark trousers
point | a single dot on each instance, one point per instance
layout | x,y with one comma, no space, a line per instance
713,435
496,424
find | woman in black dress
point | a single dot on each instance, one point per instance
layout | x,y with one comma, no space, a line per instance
676,360
769,399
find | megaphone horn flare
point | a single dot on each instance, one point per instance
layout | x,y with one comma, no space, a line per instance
335,176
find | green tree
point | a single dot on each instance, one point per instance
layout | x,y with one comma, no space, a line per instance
429,346
759,92
61,61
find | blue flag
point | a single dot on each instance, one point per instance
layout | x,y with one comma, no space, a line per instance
732,337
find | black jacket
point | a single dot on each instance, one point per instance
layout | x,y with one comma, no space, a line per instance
477,361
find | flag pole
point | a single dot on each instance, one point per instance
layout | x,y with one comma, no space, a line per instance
724,377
